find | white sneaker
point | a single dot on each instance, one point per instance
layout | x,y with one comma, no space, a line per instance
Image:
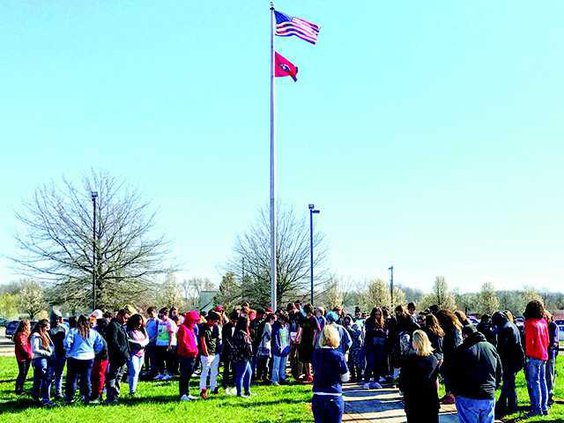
192,398
375,385
158,377
366,386
382,379
166,377
184,398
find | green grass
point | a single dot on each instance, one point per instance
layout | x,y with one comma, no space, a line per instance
157,402
556,413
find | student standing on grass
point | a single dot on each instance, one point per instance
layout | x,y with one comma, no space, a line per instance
227,332
209,334
165,345
330,370
58,332
280,348
138,340
101,361
187,352
536,351
265,349
474,371
418,381
23,353
452,339
510,351
308,333
81,345
119,354
42,350
150,350
241,356
553,345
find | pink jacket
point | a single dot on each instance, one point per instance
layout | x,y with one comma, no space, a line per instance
187,342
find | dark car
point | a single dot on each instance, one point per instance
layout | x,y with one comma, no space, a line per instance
11,328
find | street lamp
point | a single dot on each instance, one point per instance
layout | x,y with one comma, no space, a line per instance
391,269
312,211
94,195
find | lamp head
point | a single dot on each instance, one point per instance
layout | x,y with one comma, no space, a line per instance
311,206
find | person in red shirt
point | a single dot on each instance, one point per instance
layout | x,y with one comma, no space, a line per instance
187,351
23,353
536,351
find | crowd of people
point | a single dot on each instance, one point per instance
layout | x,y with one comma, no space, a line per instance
324,348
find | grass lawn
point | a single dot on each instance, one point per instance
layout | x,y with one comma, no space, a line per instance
158,402
556,413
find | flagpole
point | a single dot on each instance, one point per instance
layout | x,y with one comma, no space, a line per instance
273,271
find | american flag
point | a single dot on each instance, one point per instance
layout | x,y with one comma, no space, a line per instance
287,26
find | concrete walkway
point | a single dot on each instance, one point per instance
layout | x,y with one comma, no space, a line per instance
382,405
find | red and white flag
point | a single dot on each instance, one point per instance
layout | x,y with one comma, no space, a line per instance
283,67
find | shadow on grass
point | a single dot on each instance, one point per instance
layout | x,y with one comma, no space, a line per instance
25,403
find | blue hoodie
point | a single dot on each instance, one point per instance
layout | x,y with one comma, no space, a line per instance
83,349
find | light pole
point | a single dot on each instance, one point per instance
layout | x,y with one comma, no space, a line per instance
312,211
391,269
94,195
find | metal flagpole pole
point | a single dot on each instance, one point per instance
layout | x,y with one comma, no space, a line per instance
273,273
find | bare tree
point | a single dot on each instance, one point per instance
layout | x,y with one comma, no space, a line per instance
292,254
60,244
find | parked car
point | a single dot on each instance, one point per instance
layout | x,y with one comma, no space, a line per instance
11,328
560,324
3,322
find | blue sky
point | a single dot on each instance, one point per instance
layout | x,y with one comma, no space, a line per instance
429,134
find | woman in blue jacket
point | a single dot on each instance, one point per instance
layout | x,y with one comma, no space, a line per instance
81,344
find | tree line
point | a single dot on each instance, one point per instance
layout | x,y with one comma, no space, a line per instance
94,243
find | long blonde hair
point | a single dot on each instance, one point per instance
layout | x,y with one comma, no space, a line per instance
421,344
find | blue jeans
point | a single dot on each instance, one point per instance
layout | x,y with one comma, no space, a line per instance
472,410
81,370
536,384
243,374
41,379
327,408
279,368
134,366
58,365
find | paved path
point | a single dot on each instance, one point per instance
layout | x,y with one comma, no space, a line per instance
382,405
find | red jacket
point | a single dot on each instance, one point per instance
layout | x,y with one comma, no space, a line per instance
22,348
187,343
536,339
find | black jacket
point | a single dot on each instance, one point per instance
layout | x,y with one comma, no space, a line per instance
475,368
509,346
118,344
